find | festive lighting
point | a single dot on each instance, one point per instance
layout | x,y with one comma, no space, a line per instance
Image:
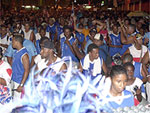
27,7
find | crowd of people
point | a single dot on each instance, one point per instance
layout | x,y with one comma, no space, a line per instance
100,43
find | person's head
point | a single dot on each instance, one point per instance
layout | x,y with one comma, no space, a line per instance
81,26
143,29
18,25
130,70
138,25
47,50
27,26
42,40
67,31
127,58
131,29
93,51
98,39
138,41
51,21
115,29
126,22
62,21
93,32
142,32
3,30
1,53
81,20
17,40
44,25
118,77
42,32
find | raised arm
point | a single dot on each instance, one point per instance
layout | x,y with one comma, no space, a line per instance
124,36
75,25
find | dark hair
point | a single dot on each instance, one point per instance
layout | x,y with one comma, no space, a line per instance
67,27
128,57
81,18
116,70
43,39
132,26
115,25
81,25
91,47
27,22
128,64
18,37
144,27
42,28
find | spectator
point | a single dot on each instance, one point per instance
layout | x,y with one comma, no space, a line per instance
66,45
50,58
51,28
28,33
4,39
92,64
39,43
20,66
139,71
30,48
42,33
133,84
118,73
137,50
115,41
103,48
90,38
127,37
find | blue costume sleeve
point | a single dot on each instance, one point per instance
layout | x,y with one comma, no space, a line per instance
32,49
9,52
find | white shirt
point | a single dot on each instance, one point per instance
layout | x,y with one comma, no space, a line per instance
38,36
137,53
138,82
5,71
5,40
27,34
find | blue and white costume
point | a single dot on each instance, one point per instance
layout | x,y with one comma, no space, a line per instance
126,100
17,65
92,68
115,40
52,30
65,49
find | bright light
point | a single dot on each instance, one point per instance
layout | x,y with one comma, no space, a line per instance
23,6
28,7
102,3
33,6
88,7
109,8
